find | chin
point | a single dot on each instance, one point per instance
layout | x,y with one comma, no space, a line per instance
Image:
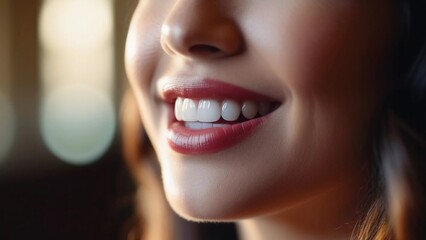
199,208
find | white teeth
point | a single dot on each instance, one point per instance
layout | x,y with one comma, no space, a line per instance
208,111
231,110
198,125
195,112
193,125
189,110
249,109
178,109
217,125
206,125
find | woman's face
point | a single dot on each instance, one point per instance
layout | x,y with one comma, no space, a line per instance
253,106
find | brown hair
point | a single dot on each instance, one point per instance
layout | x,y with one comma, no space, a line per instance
152,219
399,200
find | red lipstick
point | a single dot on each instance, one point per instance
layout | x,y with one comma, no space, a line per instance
207,88
203,141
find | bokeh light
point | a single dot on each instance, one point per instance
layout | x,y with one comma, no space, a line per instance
77,71
93,68
78,123
75,25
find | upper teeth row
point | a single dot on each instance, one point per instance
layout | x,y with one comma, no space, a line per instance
210,110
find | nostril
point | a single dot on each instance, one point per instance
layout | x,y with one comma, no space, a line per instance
204,50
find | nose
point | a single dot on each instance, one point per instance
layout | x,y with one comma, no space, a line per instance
200,29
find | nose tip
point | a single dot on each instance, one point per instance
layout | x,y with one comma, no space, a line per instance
199,34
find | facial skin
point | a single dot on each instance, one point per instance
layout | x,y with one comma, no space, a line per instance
323,59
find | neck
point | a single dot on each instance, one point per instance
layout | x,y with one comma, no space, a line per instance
330,215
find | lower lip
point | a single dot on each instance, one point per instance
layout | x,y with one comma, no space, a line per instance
190,141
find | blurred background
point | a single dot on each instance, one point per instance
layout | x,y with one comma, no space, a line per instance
61,80
62,174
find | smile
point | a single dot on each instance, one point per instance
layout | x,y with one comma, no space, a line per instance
207,113
212,116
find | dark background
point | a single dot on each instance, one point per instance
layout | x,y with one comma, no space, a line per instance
42,197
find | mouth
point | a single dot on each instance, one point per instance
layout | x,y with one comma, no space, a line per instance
210,113
211,116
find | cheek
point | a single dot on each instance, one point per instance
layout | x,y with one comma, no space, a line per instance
309,46
326,60
143,49
142,54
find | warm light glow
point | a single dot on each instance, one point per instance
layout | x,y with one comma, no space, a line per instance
73,25
93,68
7,127
77,72
78,123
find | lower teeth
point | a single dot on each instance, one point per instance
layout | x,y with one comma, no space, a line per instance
200,125
206,125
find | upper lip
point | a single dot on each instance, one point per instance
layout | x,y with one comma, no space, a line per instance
170,88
